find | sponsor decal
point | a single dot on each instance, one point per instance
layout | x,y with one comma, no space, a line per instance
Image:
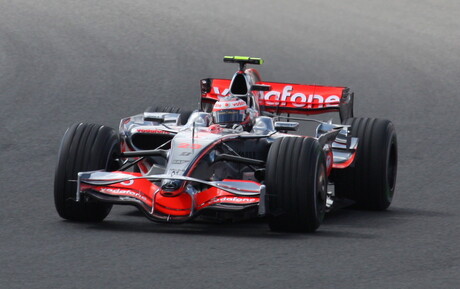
174,172
142,130
234,200
215,128
185,153
179,162
238,200
298,99
233,104
185,145
127,183
123,192
296,96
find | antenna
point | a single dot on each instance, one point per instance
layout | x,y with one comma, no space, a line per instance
193,135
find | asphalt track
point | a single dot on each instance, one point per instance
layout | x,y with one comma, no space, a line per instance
98,61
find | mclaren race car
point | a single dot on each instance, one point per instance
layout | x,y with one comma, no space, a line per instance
237,156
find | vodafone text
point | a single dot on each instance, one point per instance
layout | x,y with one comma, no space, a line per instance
289,97
123,192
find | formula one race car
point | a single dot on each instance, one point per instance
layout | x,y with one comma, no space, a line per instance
231,159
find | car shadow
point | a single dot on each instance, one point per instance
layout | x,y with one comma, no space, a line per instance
342,223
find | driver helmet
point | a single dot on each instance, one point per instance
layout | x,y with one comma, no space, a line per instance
230,110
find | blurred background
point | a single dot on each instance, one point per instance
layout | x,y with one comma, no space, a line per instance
98,61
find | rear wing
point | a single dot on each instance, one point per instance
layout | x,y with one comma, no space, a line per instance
287,97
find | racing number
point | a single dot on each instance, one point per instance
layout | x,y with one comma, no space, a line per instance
185,145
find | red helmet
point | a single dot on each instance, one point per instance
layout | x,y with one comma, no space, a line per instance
230,111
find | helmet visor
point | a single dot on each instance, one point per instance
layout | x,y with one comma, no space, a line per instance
229,116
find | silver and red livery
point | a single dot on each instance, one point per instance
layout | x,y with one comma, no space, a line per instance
174,170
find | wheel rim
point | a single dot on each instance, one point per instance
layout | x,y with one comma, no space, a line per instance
321,192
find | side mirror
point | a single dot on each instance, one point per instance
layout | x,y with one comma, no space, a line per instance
206,85
286,126
261,87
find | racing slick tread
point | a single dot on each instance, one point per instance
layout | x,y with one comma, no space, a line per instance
294,165
370,181
84,147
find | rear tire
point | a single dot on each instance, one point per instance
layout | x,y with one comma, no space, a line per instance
371,180
296,184
84,147
184,114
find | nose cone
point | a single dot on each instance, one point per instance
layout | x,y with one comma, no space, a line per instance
170,188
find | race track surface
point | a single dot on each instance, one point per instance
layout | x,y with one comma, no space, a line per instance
98,61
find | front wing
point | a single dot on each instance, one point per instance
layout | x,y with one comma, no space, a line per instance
141,191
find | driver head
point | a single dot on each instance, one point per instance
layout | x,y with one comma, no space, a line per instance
230,110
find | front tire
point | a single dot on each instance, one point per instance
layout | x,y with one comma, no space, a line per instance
296,184
371,180
84,147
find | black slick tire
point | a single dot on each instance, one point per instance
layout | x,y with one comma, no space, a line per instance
296,184
84,147
371,180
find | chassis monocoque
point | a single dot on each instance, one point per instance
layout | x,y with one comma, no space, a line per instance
176,165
